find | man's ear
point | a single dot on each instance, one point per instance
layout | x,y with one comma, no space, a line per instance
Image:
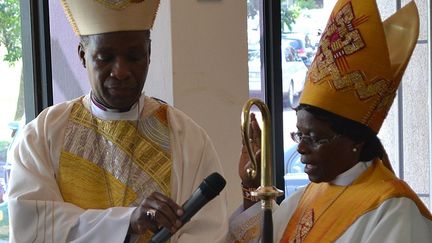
81,54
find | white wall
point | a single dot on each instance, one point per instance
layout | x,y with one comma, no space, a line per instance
199,64
160,77
210,74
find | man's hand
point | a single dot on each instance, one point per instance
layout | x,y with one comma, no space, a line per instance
156,211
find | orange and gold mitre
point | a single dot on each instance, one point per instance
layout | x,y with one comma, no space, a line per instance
89,17
360,61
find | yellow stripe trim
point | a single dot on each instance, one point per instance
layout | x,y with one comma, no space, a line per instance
367,193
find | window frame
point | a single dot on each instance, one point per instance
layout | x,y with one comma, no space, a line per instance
36,52
429,44
270,21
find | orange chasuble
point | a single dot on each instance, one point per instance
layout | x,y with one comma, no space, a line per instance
325,211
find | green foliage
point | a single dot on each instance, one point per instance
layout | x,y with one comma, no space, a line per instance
288,14
288,17
291,13
10,30
4,145
4,221
309,4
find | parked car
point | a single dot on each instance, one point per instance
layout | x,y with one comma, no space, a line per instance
293,78
298,46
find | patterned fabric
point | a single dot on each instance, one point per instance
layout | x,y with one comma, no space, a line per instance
304,226
249,230
357,68
318,215
109,163
118,4
90,17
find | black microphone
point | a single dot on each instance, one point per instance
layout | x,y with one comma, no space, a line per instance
207,190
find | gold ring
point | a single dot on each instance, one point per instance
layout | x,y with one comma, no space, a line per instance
151,214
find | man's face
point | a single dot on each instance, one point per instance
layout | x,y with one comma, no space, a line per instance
117,64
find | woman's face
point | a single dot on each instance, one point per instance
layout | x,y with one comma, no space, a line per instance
117,65
324,153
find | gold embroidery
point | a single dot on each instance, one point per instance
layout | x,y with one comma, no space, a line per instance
308,218
251,233
118,4
82,165
341,40
70,17
148,156
82,183
386,102
375,88
304,226
348,80
244,231
376,185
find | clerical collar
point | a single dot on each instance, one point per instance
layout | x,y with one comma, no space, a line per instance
350,175
104,113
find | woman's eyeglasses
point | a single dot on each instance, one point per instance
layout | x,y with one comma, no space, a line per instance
311,141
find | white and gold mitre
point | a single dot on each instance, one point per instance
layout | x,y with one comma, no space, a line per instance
89,17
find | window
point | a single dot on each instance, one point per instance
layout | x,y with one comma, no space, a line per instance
11,95
25,66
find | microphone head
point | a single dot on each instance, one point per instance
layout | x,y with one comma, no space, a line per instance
212,185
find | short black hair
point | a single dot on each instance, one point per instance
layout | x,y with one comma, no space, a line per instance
356,131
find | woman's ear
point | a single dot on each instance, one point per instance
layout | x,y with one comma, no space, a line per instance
81,54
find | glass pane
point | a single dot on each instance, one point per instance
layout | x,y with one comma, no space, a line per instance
255,64
256,86
11,96
302,25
